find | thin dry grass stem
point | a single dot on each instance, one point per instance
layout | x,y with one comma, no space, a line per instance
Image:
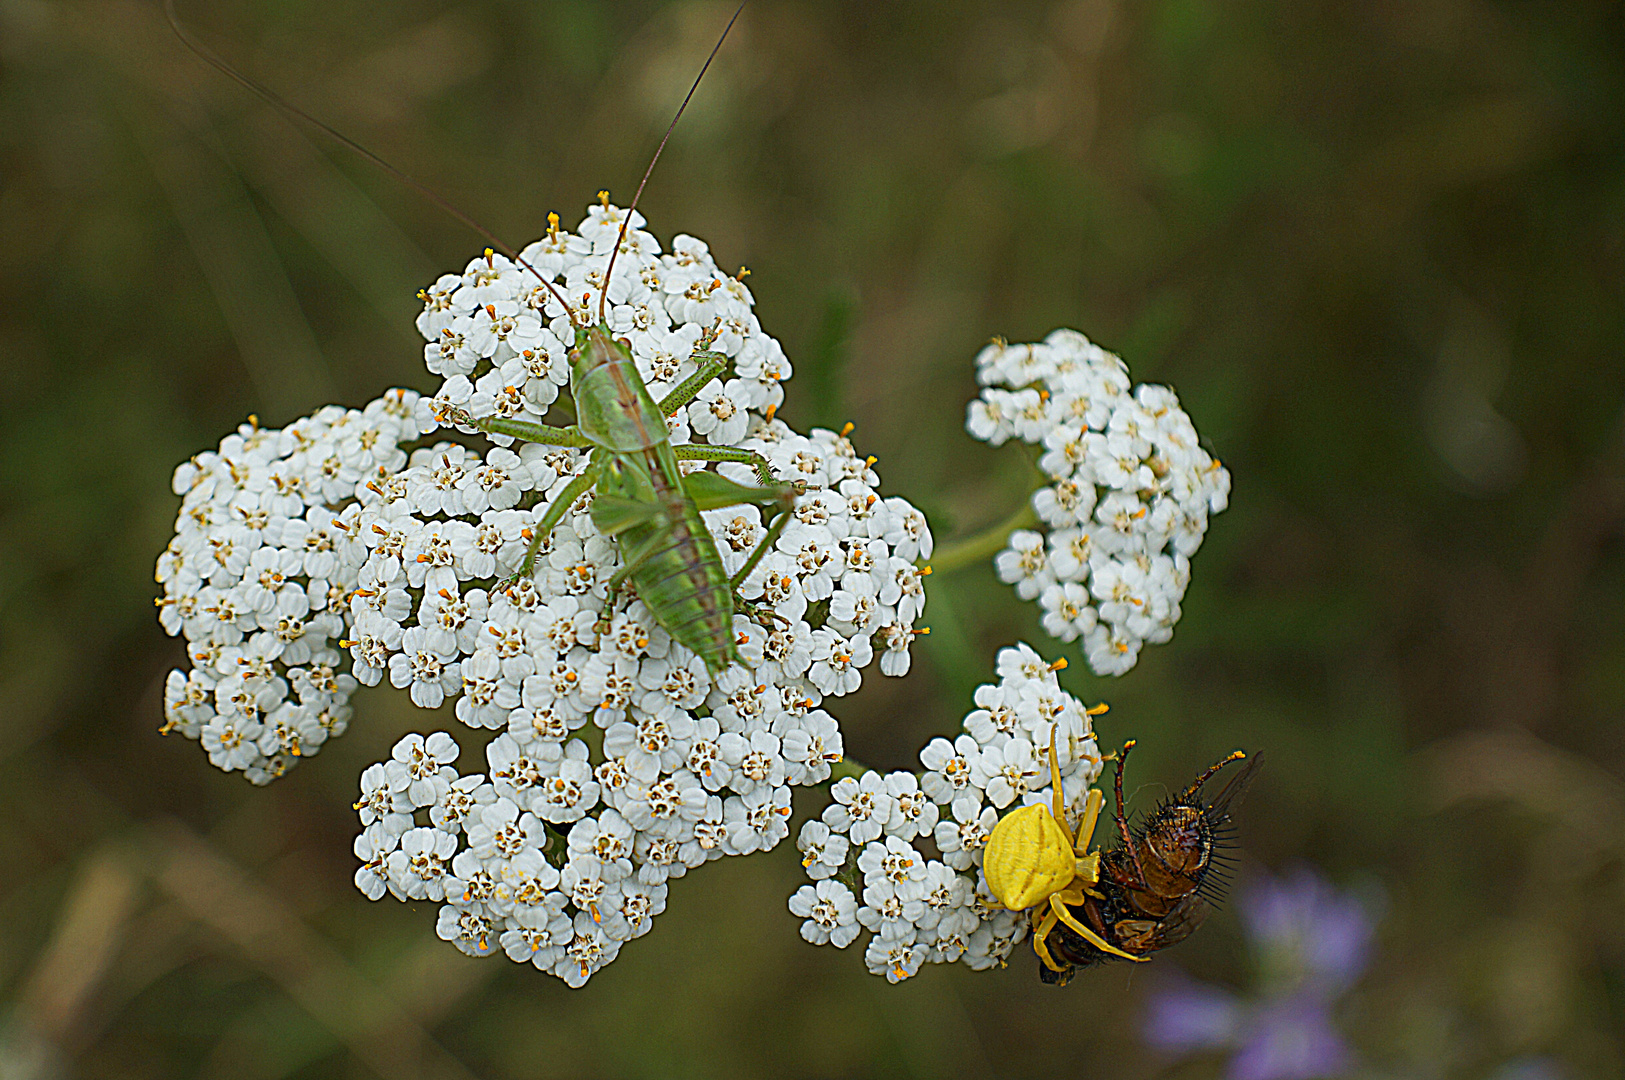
272,937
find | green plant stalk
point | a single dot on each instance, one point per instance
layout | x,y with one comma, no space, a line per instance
983,545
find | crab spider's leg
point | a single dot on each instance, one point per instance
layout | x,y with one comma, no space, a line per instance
1091,814
1055,780
1058,910
1040,948
1088,866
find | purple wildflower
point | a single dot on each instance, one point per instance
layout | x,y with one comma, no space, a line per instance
1311,943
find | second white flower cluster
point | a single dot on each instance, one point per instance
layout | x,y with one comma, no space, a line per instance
865,853
1129,499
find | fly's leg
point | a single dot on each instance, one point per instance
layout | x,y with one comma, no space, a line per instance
518,429
550,520
727,453
1122,826
1207,774
711,365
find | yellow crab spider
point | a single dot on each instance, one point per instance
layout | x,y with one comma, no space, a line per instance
1031,861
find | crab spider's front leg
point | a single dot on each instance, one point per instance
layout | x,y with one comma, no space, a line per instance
1088,865
1058,911
1041,932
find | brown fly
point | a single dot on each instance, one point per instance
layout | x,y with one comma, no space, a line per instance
1158,884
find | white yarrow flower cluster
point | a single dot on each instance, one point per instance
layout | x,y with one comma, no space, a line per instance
266,553
1129,500
622,761
864,854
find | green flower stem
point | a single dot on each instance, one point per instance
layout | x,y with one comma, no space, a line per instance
983,545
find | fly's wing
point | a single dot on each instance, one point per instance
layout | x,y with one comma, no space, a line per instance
1179,923
1215,876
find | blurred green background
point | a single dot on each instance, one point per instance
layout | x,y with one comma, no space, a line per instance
1378,248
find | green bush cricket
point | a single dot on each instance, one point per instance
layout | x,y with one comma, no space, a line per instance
641,497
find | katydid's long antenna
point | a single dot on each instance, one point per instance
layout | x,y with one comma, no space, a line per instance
278,101
609,271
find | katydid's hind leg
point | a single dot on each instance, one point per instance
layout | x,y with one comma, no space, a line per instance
711,365
618,584
550,520
759,612
694,452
